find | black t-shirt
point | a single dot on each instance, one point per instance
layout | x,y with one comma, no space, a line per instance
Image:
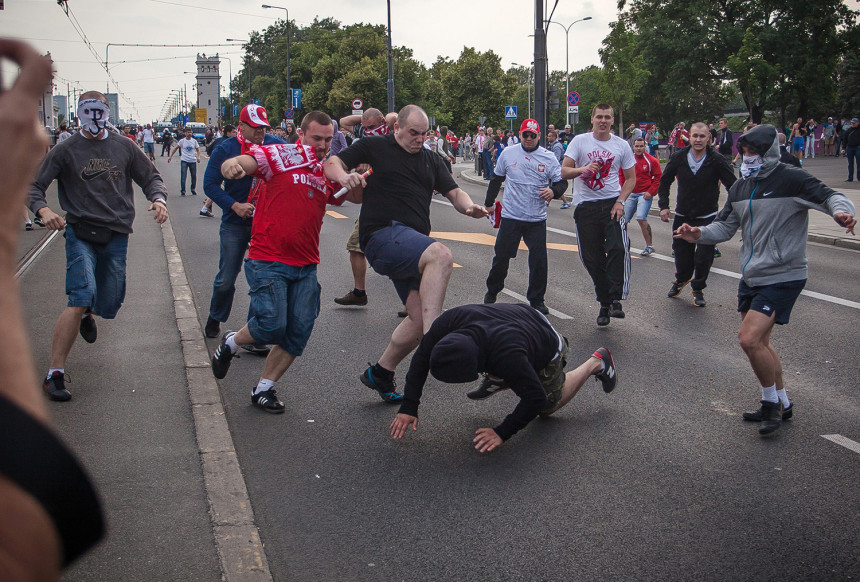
401,185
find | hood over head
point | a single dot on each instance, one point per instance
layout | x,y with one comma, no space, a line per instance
763,139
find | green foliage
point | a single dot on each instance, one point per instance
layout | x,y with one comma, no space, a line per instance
623,72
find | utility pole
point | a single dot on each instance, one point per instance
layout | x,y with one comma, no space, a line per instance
390,65
540,70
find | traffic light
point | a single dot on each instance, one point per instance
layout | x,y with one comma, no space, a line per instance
552,94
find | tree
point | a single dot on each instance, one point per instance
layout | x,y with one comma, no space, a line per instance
623,71
754,75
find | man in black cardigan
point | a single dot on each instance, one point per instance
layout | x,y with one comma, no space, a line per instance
699,170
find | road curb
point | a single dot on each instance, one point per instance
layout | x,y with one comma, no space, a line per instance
240,550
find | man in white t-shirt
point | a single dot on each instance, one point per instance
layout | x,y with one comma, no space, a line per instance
189,155
149,142
594,159
533,178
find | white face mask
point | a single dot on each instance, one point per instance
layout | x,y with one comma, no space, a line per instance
751,165
93,115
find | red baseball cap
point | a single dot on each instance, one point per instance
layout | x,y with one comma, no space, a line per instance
530,125
255,116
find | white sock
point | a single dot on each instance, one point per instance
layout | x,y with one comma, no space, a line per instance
263,385
783,397
52,370
768,394
203,209
231,343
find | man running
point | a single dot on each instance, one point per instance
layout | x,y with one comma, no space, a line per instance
515,347
394,228
769,204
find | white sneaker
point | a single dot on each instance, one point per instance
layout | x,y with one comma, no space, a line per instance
646,251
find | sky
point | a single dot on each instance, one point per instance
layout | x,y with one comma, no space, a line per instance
146,75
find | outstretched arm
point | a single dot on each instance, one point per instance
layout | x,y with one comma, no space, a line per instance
464,204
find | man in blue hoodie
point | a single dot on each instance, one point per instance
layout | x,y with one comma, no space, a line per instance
236,209
769,204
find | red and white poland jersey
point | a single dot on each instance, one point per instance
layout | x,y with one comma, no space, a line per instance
289,213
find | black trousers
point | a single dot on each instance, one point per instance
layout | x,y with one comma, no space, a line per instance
692,261
604,249
507,241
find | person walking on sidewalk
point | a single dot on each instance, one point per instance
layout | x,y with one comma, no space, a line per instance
515,347
852,149
394,228
770,205
284,254
189,156
232,196
595,159
555,146
533,177
648,174
699,170
95,169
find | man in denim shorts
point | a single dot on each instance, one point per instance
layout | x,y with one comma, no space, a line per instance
394,226
95,169
282,261
515,347
773,254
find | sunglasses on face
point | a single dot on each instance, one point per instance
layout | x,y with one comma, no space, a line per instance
529,135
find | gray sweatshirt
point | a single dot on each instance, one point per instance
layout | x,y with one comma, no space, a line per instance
94,180
772,211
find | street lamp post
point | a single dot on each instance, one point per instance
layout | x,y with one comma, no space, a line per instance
289,86
247,65
390,64
567,60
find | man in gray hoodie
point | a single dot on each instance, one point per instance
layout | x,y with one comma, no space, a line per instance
94,170
770,204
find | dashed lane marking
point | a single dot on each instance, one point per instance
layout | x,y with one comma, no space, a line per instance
843,441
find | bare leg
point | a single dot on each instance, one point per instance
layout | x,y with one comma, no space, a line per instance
754,337
574,380
406,336
243,337
277,363
359,269
646,232
65,334
435,266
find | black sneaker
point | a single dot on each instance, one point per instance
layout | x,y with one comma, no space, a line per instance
608,377
206,212
88,329
402,313
28,225
541,307
489,297
717,253
39,222
756,416
615,310
257,349
55,388
351,299
268,401
603,316
387,388
699,299
676,288
771,417
213,327
487,388
222,357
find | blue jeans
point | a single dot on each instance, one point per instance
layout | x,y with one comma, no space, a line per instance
95,274
285,302
190,166
234,242
486,159
853,155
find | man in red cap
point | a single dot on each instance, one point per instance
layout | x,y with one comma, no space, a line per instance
535,179
233,198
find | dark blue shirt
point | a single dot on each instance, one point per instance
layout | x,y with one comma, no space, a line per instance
233,190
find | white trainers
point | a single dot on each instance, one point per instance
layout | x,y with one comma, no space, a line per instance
646,251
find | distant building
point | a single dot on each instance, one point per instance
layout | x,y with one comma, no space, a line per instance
113,101
47,115
209,87
61,105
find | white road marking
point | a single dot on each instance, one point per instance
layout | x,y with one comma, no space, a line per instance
843,441
522,298
669,259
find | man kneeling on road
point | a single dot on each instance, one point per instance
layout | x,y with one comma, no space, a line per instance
282,261
773,254
515,347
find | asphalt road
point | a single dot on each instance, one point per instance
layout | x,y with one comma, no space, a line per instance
661,480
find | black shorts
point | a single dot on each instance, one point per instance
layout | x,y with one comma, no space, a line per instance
777,298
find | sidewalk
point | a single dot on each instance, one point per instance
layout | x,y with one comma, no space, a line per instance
822,228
